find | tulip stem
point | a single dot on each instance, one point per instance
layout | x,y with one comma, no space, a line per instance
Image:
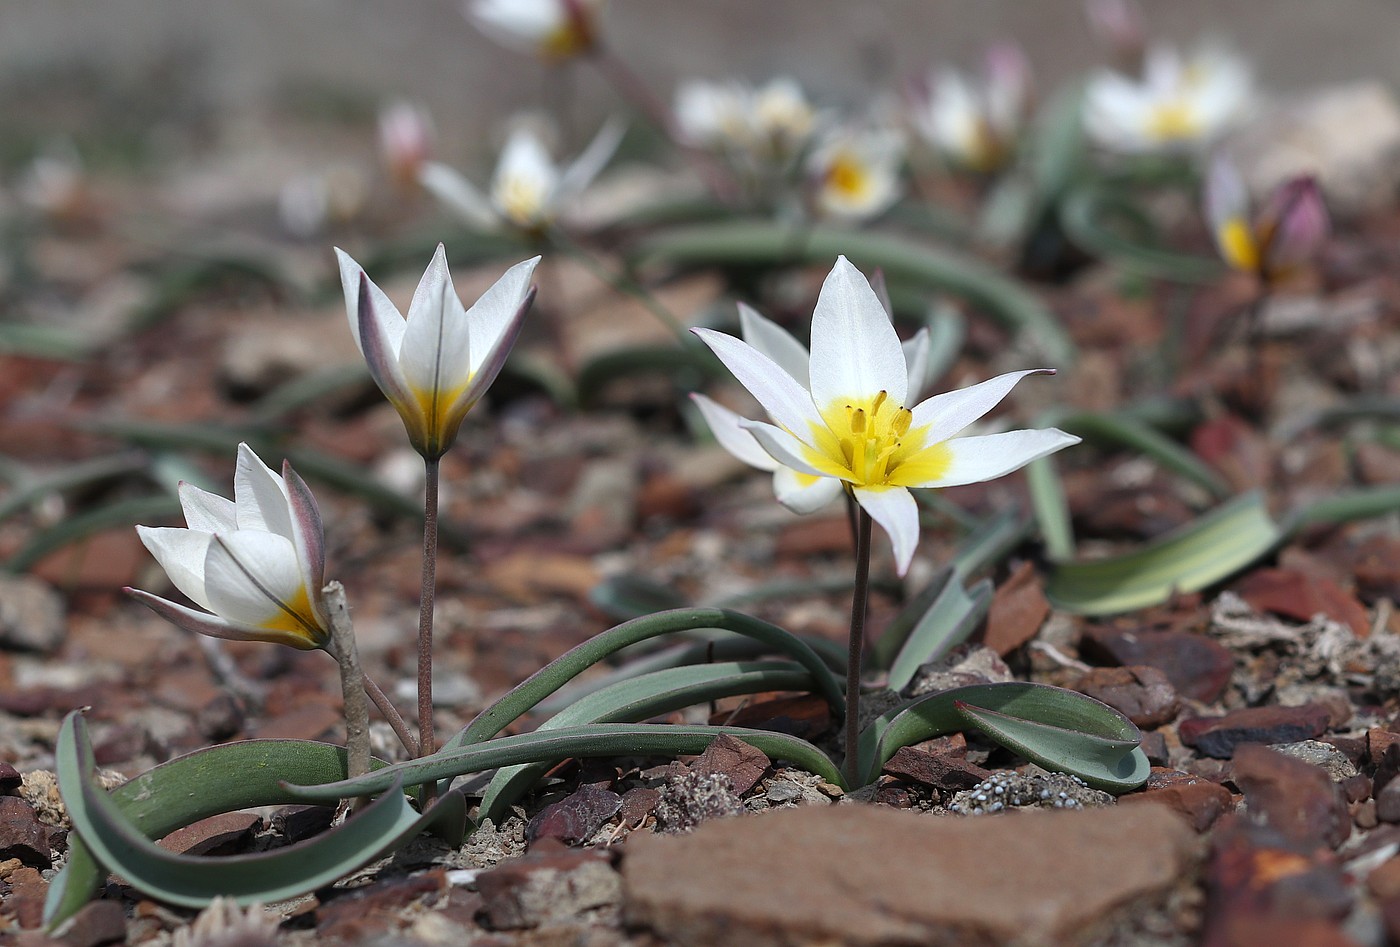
855,647
391,714
352,681
426,743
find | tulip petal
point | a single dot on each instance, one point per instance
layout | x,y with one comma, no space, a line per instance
774,341
726,427
383,315
435,360
381,354
855,350
259,495
947,414
803,493
181,553
458,195
790,452
205,511
593,159
785,400
308,533
988,456
898,515
495,317
252,578
203,623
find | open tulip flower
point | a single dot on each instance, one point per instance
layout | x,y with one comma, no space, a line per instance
799,492
855,173
551,29
528,188
435,363
1281,237
255,564
1178,104
770,125
975,124
850,422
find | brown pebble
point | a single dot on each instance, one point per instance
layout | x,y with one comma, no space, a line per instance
1143,694
1297,799
1197,667
22,835
1219,736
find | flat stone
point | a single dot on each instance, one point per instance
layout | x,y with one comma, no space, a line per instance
1142,694
742,763
946,771
550,885
96,923
10,779
1297,799
374,913
224,834
1219,736
860,875
1300,595
1019,608
22,835
31,615
1199,801
1197,667
576,817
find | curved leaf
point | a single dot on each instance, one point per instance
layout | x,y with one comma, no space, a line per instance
1051,508
1344,507
1133,433
1203,552
751,243
1083,215
647,696
589,740
1057,728
115,830
954,614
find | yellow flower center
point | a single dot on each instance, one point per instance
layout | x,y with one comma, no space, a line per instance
521,200
1174,120
1238,246
298,619
567,40
432,418
848,177
869,443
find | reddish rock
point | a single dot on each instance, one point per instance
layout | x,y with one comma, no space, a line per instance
1199,801
10,779
372,914
22,835
1219,736
1388,802
1143,694
1197,667
223,834
576,817
1376,566
1297,799
945,771
742,763
1019,608
96,923
310,721
864,876
26,901
1378,740
1300,595
550,884
637,804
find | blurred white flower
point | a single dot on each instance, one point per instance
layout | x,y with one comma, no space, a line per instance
551,29
406,135
975,122
770,124
309,203
55,184
528,188
1178,104
855,173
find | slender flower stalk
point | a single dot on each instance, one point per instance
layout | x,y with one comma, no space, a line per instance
433,365
855,646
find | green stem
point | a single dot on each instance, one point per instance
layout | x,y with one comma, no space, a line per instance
851,765
426,743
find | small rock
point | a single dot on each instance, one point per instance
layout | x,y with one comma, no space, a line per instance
1299,595
638,803
1388,802
965,664
1197,667
26,900
1154,747
373,913
1019,607
1032,790
691,798
1318,753
864,876
742,763
781,790
1297,799
1142,694
96,923
31,615
550,885
576,817
223,834
22,835
1199,801
10,779
807,716
1218,736
941,771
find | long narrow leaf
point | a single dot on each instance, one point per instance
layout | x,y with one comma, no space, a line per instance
1083,214
952,617
1132,433
1051,508
1203,552
84,525
643,697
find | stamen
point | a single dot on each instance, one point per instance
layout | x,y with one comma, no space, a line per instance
902,419
858,420
879,400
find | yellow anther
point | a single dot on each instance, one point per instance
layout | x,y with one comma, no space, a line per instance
902,419
879,400
858,421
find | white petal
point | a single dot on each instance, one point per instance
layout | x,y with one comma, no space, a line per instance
724,424
181,553
212,625
947,414
802,494
385,314
916,351
251,577
774,341
205,511
855,350
988,456
260,495
593,159
526,180
898,515
436,345
782,396
492,316
458,195
787,450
